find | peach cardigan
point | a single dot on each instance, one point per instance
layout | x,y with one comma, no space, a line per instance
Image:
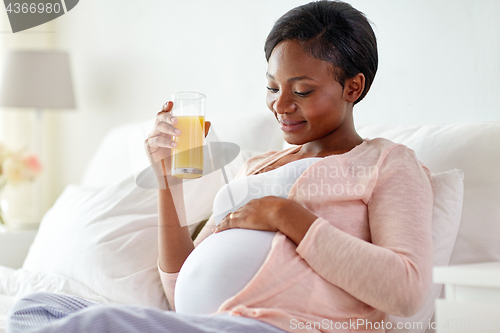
368,254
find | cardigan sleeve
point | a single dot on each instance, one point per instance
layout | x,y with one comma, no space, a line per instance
393,272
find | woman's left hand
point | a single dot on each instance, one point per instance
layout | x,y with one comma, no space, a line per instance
270,214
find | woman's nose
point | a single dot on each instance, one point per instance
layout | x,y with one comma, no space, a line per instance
283,104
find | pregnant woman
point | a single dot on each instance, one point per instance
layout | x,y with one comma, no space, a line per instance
330,235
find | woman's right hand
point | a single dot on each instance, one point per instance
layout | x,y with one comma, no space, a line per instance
159,143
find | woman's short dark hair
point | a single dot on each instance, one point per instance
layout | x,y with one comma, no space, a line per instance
332,31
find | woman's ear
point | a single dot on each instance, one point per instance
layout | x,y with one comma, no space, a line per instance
353,87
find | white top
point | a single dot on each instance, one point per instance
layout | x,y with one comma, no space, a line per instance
225,262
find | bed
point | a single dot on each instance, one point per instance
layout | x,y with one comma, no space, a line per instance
98,241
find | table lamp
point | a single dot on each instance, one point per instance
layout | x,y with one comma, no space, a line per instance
37,80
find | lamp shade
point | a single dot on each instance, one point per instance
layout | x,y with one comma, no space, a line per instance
37,79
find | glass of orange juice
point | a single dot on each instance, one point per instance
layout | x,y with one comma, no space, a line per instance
187,156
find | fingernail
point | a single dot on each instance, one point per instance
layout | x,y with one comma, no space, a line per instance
174,144
173,119
177,130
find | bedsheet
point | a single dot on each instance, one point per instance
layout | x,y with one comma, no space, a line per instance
6,301
15,283
5,304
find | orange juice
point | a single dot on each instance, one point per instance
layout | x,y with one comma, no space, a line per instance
187,156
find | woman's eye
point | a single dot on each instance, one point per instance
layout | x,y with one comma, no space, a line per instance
273,90
302,94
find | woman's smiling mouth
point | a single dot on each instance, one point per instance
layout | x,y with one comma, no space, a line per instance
290,125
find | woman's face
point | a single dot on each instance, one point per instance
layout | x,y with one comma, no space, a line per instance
303,94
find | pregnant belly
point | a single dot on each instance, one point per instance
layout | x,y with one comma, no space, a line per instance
219,268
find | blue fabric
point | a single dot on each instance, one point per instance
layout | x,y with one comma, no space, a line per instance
49,313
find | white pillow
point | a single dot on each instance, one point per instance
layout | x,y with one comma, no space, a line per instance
121,153
19,282
112,162
473,148
106,237
447,211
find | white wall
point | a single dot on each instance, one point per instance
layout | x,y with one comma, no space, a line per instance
439,62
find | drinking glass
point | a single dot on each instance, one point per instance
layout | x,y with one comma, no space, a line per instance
187,156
